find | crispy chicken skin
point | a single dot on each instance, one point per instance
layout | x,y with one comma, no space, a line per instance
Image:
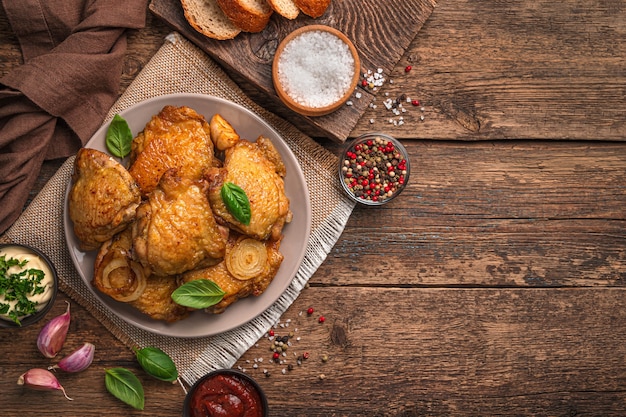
247,165
175,230
177,137
156,300
103,198
234,288
152,296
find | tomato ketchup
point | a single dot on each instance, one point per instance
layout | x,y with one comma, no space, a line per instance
225,394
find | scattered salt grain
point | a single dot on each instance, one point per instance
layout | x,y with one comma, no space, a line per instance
316,68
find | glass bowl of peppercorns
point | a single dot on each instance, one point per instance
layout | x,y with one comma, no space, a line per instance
374,169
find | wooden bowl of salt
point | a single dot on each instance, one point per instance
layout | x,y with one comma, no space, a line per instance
315,70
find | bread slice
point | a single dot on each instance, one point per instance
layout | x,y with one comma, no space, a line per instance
247,15
285,8
312,8
207,17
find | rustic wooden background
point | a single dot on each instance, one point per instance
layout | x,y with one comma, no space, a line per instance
495,285
248,57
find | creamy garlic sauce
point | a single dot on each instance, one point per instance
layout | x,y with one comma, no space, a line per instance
34,262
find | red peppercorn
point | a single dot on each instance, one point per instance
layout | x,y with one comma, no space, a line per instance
322,319
305,355
364,83
415,102
408,68
276,355
310,311
271,332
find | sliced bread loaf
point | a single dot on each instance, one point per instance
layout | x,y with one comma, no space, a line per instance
247,15
207,17
312,8
285,8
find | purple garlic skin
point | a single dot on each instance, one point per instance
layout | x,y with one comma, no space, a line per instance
41,380
52,336
78,360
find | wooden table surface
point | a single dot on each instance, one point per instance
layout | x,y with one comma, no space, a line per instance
495,285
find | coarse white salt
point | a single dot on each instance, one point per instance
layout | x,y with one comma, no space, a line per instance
316,68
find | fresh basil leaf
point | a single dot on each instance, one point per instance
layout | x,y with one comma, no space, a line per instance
119,137
157,363
125,386
201,293
236,202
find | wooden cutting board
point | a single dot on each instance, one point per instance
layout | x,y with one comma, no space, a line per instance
381,32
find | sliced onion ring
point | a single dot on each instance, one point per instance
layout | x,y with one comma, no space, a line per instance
247,259
136,277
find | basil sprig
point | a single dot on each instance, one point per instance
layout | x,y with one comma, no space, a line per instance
125,386
201,293
157,363
236,202
119,137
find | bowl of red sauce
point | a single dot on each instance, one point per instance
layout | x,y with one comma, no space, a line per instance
226,393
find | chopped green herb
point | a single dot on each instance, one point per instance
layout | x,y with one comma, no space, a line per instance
17,287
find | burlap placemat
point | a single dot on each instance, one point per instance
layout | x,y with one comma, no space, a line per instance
180,67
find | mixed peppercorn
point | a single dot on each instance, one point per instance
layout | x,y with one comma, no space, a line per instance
374,170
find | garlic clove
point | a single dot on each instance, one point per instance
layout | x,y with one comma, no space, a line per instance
52,335
41,380
78,360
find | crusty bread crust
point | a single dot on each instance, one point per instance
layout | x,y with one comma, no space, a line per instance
245,16
312,8
207,17
285,8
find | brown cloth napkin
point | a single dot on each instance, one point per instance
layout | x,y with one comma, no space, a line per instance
54,102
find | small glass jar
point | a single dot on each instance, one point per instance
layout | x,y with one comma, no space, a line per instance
374,169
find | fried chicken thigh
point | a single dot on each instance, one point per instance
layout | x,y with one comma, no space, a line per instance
120,277
236,288
258,172
103,198
175,230
177,137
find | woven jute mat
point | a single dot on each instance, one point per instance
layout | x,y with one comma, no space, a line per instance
180,67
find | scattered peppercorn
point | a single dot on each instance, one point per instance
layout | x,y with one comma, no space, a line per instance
322,319
310,311
415,102
408,68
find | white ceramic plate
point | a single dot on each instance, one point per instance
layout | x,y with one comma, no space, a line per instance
293,246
